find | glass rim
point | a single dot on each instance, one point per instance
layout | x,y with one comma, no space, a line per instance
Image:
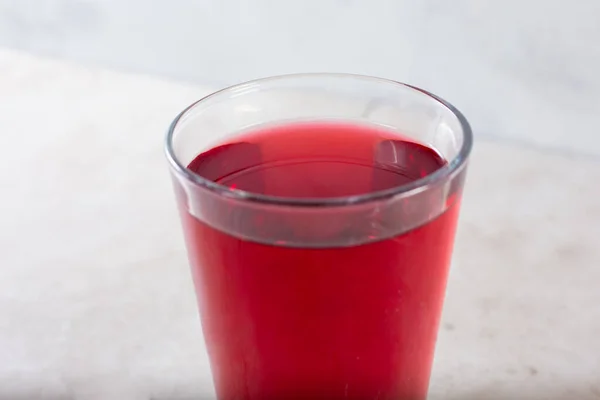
418,185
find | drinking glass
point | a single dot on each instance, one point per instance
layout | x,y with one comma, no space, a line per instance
305,297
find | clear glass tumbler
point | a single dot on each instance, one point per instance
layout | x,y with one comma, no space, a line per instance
319,213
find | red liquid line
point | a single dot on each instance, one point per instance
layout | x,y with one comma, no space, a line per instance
330,323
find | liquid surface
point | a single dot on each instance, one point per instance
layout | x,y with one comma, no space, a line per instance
355,322
317,161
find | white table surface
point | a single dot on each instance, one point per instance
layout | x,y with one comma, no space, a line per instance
96,300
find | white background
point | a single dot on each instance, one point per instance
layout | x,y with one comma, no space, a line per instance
522,70
96,301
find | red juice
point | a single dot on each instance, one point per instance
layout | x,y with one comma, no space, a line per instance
286,321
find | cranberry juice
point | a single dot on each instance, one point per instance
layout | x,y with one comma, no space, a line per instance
286,321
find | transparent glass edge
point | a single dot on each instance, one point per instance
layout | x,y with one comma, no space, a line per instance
454,167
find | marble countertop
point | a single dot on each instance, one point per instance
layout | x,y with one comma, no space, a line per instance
96,300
